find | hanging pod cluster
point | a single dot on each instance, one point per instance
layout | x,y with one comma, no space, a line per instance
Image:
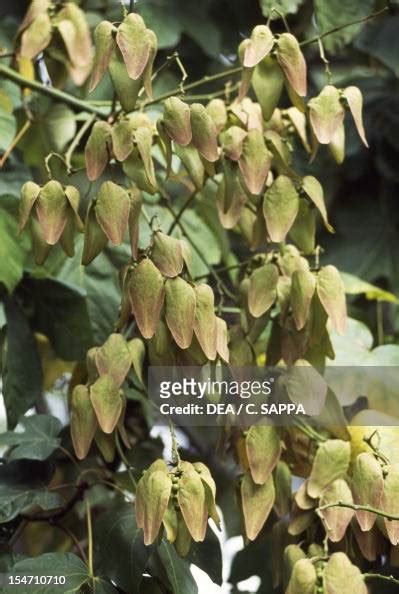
127,51
180,499
161,300
52,212
97,408
45,22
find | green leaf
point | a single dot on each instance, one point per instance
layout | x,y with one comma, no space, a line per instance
262,292
280,208
37,441
177,570
24,483
13,250
54,564
8,128
22,371
356,286
331,462
283,6
333,13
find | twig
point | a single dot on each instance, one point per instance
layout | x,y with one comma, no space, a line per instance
176,460
47,162
69,154
14,143
368,508
89,538
181,212
378,576
282,17
74,539
125,460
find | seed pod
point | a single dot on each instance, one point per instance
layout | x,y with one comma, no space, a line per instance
165,144
137,355
123,139
306,386
246,73
36,36
73,197
331,292
367,488
104,41
341,577
134,44
259,46
113,358
35,8
136,201
283,482
51,210
191,498
83,421
106,445
95,239
147,74
152,498
177,120
298,120
135,170
303,578
230,198
106,399
126,89
73,28
303,230
337,144
167,254
330,463
263,449
390,501
222,339
255,161
41,249
267,82
292,554
180,310
210,491
29,194
292,62
281,154
205,320
183,540
262,291
314,191
170,521
302,290
216,108
143,139
191,160
112,211
354,98
280,208
336,519
302,499
147,292
232,141
204,132
257,503
98,149
326,114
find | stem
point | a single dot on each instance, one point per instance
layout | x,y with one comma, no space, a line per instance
181,212
74,539
89,538
75,142
175,448
55,94
125,460
380,323
368,508
14,143
378,576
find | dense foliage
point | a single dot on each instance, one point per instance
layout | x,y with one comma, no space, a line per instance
202,185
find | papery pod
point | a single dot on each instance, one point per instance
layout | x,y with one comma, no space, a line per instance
298,120
152,497
161,348
255,161
113,358
104,41
112,211
303,578
74,30
136,201
268,82
165,144
331,292
263,447
167,254
106,444
303,231
354,99
292,554
292,62
283,296
281,154
253,114
122,139
134,168
342,577
95,239
262,290
177,122
51,210
319,344
230,201
107,402
222,339
300,521
246,73
137,355
280,208
36,36
192,502
337,145
336,519
35,8
216,108
371,543
326,114
191,160
314,191
303,287
67,239
98,150
83,421
232,140
183,540
210,491
180,310
306,386
147,74
367,488
134,44
143,138
390,501
290,259
302,499
29,194
170,521
205,320
147,292
259,46
257,502
283,482
330,463
204,133
126,89
73,197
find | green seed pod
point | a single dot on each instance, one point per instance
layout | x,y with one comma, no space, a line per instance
177,120
257,502
216,108
147,74
205,320
113,358
180,310
255,161
263,449
336,519
152,499
354,99
367,487
72,26
280,208
192,502
303,287
123,139
137,354
303,231
303,578
292,62
191,160
106,399
98,149
104,41
106,445
262,290
331,292
126,89
267,82
222,339
204,132
314,191
51,210
112,211
232,140
341,577
210,491
330,463
134,44
167,254
29,194
326,114
147,292
259,46
83,421
95,239
36,37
